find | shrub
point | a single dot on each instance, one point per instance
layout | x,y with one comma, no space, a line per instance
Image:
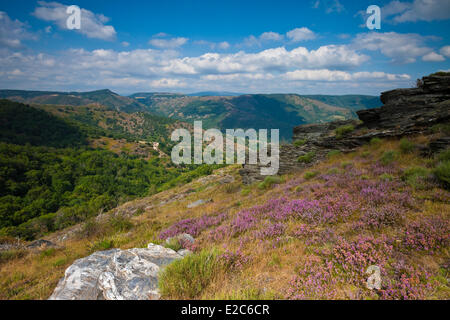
333,171
60,262
365,154
47,253
375,141
441,128
387,177
442,172
231,188
388,157
343,130
8,255
91,228
311,174
333,153
275,261
101,245
245,192
444,155
346,164
120,223
307,158
188,277
416,177
406,146
173,244
299,143
269,181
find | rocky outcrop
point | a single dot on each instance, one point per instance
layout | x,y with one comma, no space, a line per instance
405,112
116,275
411,110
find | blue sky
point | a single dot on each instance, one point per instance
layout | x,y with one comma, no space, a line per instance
306,47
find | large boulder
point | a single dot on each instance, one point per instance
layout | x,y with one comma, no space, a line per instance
115,275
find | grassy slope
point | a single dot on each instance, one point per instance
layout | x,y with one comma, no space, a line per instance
275,260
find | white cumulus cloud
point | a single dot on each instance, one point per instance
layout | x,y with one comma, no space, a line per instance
445,51
417,10
13,32
400,47
271,36
336,75
301,34
433,57
92,25
168,43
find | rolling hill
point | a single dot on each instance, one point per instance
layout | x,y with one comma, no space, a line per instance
104,97
216,109
282,111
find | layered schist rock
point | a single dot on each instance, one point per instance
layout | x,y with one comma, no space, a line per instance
116,275
405,112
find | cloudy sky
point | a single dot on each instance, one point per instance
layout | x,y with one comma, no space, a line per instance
306,47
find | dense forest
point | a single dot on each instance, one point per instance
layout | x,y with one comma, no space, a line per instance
50,178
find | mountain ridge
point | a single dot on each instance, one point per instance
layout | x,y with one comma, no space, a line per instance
258,111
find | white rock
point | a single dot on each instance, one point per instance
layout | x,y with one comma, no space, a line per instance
115,275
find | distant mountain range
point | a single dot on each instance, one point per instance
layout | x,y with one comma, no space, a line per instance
283,111
215,94
104,97
216,109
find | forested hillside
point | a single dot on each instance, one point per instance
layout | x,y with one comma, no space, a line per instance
21,124
53,174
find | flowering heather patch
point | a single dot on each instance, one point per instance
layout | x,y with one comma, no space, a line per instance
244,220
270,230
314,280
374,195
407,283
441,196
378,169
234,260
291,184
313,236
249,218
355,257
381,192
328,209
219,233
385,215
193,226
429,235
